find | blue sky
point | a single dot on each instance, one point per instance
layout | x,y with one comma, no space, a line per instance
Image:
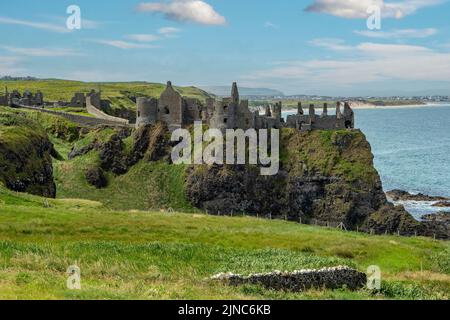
309,46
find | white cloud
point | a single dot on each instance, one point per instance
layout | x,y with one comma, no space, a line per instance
399,33
271,25
36,25
89,24
10,66
41,52
369,63
143,37
125,44
169,31
357,9
331,44
185,10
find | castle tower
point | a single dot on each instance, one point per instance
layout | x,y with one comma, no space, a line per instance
276,112
235,94
338,110
268,113
219,119
312,113
300,109
349,116
39,98
170,107
325,110
147,111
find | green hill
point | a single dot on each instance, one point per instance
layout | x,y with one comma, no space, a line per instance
119,93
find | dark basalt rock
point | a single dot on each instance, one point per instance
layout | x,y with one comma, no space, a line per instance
437,217
80,152
442,204
392,219
29,168
111,156
400,195
96,177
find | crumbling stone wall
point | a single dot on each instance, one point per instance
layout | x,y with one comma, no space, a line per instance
93,105
329,278
82,120
233,113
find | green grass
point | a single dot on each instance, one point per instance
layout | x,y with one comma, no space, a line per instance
339,153
154,255
118,93
148,185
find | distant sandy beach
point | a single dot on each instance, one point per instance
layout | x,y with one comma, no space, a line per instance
370,107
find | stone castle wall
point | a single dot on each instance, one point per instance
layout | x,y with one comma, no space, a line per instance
93,105
233,113
79,119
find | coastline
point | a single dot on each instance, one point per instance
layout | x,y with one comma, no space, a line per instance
375,107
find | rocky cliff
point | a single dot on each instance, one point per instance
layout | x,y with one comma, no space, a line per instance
25,156
326,178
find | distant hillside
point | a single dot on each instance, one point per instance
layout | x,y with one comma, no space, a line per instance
226,90
121,94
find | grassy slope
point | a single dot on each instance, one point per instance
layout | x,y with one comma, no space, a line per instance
116,92
160,255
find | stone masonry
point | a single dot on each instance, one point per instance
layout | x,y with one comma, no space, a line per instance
297,281
25,99
233,113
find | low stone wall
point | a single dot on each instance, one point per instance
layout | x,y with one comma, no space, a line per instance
329,278
82,120
101,115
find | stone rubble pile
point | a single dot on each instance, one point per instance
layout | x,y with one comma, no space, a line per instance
329,278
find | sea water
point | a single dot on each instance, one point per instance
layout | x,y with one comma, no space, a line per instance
411,146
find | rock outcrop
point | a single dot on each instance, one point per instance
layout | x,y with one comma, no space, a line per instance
26,156
326,178
96,177
442,204
400,195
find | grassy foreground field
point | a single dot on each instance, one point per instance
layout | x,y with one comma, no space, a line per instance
157,255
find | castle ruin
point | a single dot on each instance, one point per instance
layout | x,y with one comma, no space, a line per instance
25,99
233,113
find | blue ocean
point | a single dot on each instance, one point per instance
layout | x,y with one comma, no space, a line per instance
411,148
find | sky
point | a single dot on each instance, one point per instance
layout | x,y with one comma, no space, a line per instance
322,47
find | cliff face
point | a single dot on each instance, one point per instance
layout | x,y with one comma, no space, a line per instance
325,176
25,156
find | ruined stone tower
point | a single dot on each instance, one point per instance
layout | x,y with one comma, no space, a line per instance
147,111
170,107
